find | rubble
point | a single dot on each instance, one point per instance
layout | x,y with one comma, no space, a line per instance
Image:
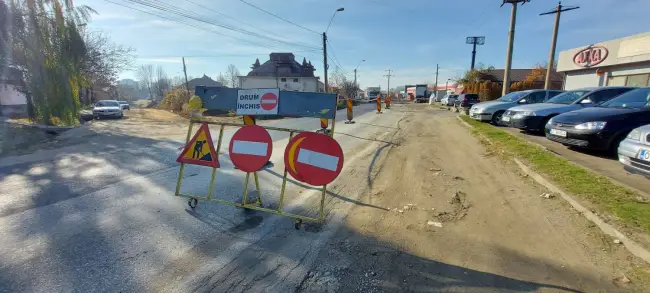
547,195
432,223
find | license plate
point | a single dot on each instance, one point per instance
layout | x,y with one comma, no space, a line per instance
505,118
557,132
644,155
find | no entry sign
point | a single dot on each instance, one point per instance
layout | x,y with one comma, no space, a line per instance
257,101
316,159
250,148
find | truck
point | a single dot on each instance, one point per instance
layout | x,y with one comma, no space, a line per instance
371,93
421,93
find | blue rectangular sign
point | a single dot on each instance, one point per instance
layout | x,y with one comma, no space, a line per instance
290,104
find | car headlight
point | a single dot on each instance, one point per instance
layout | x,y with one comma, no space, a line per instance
479,110
596,125
550,121
634,135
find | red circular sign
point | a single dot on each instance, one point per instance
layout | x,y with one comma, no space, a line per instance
316,159
250,148
269,101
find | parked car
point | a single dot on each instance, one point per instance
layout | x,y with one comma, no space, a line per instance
107,108
465,101
602,127
634,151
124,105
493,110
534,117
449,99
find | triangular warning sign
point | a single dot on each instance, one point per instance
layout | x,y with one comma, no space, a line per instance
200,150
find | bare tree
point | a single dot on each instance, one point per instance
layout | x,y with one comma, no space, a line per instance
232,74
160,83
145,77
177,81
222,79
337,78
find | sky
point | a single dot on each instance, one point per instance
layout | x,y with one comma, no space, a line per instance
409,36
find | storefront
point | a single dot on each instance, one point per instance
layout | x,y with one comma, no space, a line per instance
620,62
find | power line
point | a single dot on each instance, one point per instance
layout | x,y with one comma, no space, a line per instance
276,16
334,55
218,55
191,15
189,24
238,20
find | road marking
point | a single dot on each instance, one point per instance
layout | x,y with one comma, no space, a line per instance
319,160
250,148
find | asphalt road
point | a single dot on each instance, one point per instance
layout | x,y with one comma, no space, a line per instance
101,216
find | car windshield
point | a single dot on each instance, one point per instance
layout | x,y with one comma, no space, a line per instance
452,96
107,104
512,97
567,98
639,98
122,102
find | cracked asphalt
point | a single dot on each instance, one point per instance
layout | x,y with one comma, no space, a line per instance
98,214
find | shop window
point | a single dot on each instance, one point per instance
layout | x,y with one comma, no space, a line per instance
616,80
640,80
283,79
295,80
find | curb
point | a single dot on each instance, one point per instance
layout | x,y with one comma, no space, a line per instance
608,229
631,246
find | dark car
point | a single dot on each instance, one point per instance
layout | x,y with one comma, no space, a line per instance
534,117
466,101
602,127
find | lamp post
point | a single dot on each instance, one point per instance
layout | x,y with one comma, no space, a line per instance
324,120
325,47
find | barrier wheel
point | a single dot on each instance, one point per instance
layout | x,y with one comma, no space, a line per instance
192,202
297,224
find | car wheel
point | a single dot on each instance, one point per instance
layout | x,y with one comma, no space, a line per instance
496,117
542,126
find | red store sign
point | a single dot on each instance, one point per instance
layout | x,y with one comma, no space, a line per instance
590,56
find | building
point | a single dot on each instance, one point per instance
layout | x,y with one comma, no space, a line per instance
204,81
12,102
283,72
624,61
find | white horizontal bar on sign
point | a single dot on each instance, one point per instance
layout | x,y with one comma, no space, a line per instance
319,160
249,148
269,101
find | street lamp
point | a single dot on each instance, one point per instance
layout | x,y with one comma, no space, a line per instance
355,72
446,86
325,47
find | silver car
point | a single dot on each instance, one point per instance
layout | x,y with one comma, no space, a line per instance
535,117
634,151
107,108
493,110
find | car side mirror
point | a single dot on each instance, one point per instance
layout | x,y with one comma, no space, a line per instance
586,101
523,101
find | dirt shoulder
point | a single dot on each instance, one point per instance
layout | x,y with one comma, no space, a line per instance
461,219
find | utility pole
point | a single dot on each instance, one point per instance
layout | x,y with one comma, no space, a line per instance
435,85
474,41
186,84
355,77
388,75
557,11
325,60
511,39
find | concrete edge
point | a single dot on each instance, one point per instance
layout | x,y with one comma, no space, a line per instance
608,229
633,247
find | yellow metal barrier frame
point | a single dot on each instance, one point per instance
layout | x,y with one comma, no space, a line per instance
257,205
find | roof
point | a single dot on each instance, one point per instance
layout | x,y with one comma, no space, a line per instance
517,75
204,80
282,64
10,75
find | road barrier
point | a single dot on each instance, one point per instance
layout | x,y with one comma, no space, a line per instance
310,157
349,112
378,104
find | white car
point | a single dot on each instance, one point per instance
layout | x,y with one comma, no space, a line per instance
107,108
449,99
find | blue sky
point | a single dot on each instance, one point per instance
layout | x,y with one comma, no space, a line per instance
408,36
